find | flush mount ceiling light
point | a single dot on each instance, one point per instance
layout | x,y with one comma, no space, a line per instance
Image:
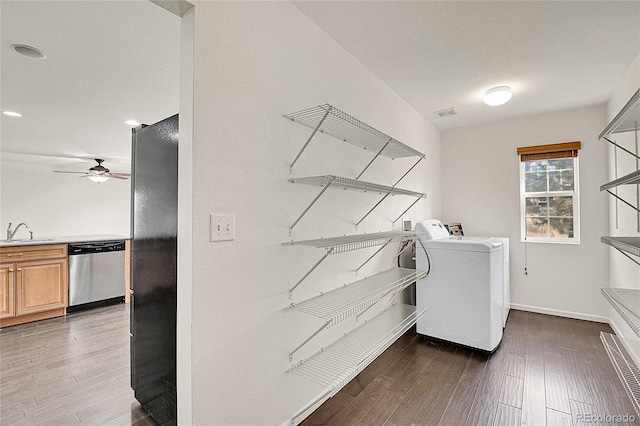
497,96
28,51
133,123
12,113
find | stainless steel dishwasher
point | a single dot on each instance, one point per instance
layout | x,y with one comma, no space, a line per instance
96,274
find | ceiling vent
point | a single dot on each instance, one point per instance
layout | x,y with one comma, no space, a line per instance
445,112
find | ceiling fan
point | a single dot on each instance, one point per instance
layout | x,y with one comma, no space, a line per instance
99,173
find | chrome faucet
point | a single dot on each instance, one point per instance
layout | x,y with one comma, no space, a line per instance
11,234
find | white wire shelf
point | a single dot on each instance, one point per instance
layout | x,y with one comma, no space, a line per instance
627,297
334,122
355,298
630,179
345,243
620,300
625,244
335,365
339,182
355,242
627,120
625,365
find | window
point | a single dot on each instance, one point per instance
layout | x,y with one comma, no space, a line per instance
549,195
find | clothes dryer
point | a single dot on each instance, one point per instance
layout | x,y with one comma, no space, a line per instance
463,292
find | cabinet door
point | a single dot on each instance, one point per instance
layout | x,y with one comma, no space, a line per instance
7,302
41,286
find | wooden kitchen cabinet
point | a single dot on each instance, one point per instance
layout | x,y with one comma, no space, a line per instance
34,283
7,301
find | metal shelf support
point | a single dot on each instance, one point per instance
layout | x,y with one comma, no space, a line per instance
309,140
329,251
374,158
309,206
389,193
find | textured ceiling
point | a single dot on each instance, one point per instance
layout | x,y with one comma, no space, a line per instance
441,54
109,61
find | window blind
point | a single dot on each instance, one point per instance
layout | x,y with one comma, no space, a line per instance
547,152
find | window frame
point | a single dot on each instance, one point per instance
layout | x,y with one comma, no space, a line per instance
575,194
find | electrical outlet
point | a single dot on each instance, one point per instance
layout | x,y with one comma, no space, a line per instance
223,227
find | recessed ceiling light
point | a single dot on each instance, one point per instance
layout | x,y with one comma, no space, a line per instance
497,96
12,113
28,51
133,123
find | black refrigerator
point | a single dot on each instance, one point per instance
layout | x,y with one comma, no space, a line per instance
154,231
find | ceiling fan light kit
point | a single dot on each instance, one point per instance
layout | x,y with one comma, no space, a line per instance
497,96
99,173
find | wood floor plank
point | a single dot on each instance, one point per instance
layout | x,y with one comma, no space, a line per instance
534,410
558,418
512,391
507,415
40,363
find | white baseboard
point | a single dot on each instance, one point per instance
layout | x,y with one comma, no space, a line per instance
565,314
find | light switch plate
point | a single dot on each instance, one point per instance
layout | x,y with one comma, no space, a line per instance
223,227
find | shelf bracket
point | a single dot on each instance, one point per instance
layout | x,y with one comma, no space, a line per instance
309,206
381,297
622,148
628,255
624,201
388,193
402,250
330,251
307,339
309,140
374,254
374,158
408,208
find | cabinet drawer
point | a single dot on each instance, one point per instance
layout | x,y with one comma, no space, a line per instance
25,253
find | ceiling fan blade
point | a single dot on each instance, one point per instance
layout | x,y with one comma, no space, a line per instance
67,171
118,176
126,175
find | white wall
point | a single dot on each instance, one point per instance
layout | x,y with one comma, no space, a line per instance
56,204
622,219
255,61
480,187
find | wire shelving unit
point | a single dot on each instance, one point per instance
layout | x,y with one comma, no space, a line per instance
345,243
330,120
355,298
624,353
335,365
338,182
626,366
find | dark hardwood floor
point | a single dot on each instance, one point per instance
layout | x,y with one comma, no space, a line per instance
69,370
547,371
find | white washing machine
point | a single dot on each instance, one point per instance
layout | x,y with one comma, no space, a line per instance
463,292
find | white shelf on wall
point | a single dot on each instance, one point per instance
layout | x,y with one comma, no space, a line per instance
626,366
330,120
355,298
625,244
627,119
338,182
345,243
630,179
356,242
335,365
627,303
